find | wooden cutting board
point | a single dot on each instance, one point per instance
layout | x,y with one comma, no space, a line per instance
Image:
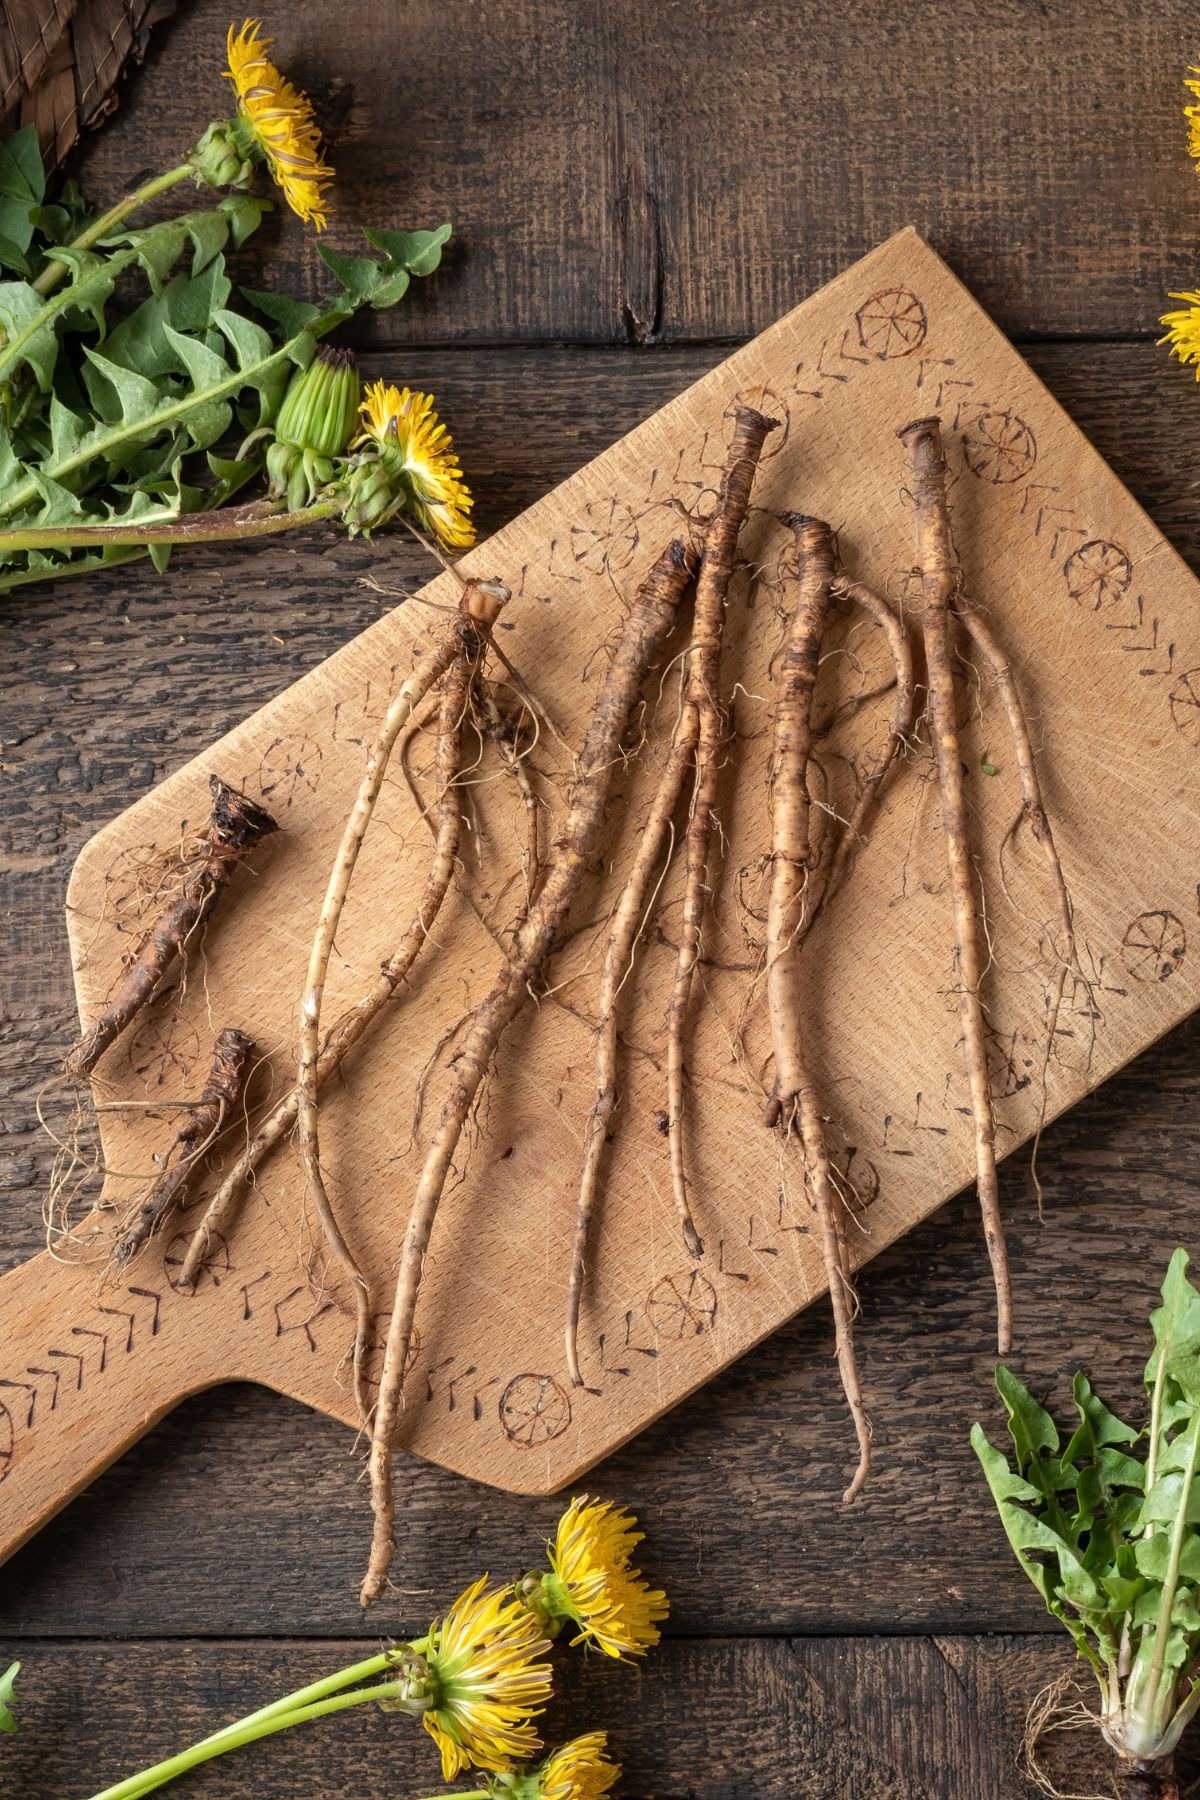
1102,616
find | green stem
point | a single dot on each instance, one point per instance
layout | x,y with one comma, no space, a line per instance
53,272
305,1696
247,1731
193,528
1162,1630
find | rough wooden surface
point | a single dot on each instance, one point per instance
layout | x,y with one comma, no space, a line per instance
1089,216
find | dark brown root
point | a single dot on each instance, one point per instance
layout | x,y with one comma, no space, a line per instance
572,854
702,695
939,579
1139,1780
216,1107
235,827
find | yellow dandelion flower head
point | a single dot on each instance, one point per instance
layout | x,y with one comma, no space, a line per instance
1192,114
1183,330
418,450
591,1580
579,1771
281,121
487,1680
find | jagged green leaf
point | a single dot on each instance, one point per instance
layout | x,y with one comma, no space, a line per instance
293,316
419,252
1176,1328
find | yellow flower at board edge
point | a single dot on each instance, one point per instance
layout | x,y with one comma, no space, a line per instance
417,451
579,1771
487,1683
591,1582
1183,330
281,121
1192,115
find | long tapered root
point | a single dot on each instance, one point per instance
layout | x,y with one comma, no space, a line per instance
236,826
702,692
479,608
793,1103
358,1019
628,922
572,854
1033,813
939,582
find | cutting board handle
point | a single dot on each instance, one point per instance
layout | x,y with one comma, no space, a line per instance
83,1375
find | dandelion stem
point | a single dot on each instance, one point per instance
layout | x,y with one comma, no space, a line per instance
53,272
195,528
248,1731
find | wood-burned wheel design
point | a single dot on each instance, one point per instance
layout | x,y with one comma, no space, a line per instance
163,1048
1154,946
607,538
377,1344
290,766
772,405
216,1261
1184,701
533,1410
891,324
682,1305
1098,574
999,447
7,1440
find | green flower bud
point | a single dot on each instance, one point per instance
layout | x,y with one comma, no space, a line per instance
224,158
370,497
320,407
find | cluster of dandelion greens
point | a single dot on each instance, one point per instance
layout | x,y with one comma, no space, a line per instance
480,1677
139,393
1107,1527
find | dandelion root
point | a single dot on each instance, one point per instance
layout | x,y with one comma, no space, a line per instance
706,720
628,922
235,827
219,1101
794,1103
939,582
480,606
573,852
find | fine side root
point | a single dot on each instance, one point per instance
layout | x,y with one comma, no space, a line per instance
939,582
704,704
218,1104
628,922
1034,814
479,608
354,1024
793,1102
572,854
236,825
1048,1714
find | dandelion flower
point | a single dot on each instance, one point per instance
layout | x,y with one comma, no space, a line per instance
579,1771
417,452
591,1582
1183,328
1192,115
486,1681
281,121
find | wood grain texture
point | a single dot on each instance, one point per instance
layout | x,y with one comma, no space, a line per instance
727,1718
690,170
1062,560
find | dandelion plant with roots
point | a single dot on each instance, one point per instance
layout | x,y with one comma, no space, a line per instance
1107,1527
479,1678
139,393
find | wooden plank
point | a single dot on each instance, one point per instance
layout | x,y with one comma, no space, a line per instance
893,1718
629,172
72,757
1065,562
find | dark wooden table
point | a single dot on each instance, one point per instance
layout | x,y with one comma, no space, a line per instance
634,190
